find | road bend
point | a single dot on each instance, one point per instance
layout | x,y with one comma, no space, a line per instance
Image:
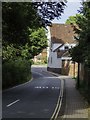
35,99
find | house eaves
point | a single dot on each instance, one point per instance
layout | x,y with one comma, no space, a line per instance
58,48
66,56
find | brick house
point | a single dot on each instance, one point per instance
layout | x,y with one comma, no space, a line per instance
61,40
40,58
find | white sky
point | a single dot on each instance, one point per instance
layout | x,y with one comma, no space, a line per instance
70,10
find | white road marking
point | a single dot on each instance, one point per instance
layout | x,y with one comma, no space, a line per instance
39,87
56,87
13,103
52,87
47,87
59,102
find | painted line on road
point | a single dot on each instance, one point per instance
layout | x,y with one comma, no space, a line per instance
60,98
13,103
55,108
59,102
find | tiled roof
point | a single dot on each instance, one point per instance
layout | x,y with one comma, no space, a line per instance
62,33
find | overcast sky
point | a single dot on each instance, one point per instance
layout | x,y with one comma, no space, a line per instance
70,10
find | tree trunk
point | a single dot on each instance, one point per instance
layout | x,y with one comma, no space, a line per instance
78,79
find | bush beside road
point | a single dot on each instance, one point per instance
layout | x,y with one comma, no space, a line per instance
15,72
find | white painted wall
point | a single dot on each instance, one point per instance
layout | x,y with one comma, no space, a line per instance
54,62
55,46
49,41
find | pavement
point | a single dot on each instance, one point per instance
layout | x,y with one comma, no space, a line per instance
74,106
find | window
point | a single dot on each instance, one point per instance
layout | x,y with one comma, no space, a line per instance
66,47
51,46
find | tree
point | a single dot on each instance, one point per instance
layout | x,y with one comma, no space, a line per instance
71,20
38,41
24,36
74,19
81,24
21,21
83,32
77,51
77,56
49,10
16,18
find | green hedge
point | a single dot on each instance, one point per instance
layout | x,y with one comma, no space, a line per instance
15,72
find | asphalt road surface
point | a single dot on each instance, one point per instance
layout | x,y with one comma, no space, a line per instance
35,99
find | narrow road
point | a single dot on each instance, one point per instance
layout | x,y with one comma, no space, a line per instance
35,99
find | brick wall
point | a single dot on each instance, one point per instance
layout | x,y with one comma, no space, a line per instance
69,68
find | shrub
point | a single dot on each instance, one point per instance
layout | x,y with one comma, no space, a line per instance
15,72
84,90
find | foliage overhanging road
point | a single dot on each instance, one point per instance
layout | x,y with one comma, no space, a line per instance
35,99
